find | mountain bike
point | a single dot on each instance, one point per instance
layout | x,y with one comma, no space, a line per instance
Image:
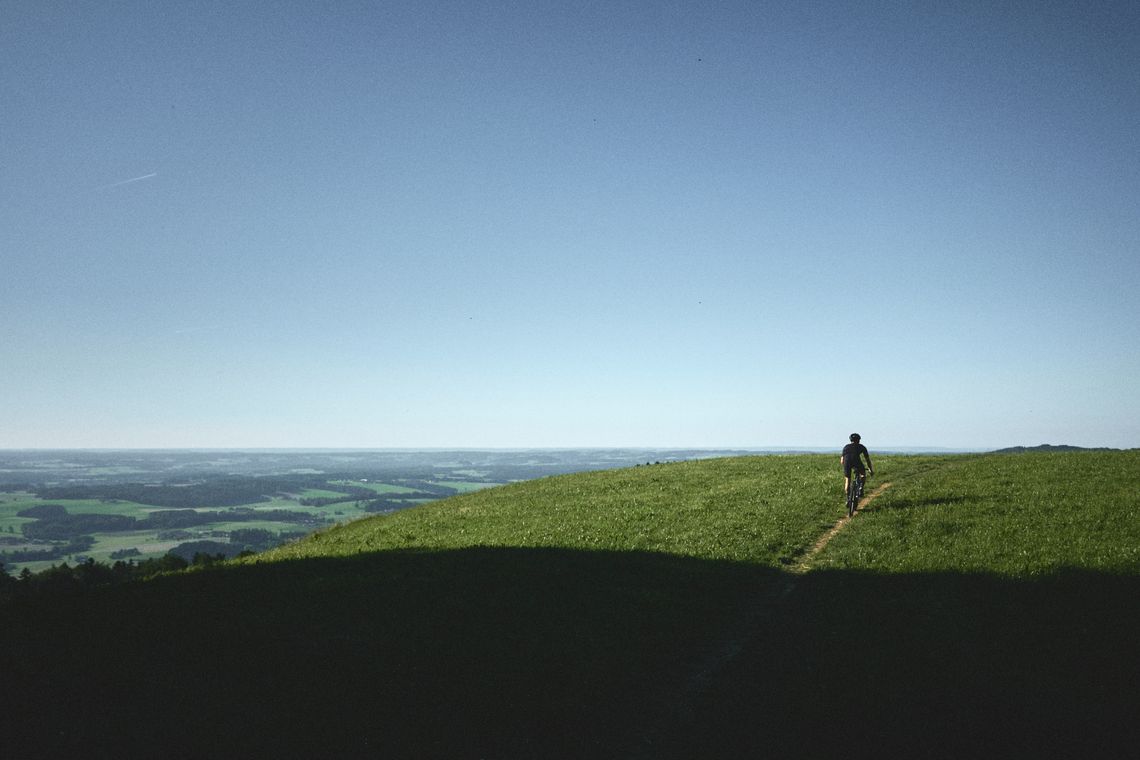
855,491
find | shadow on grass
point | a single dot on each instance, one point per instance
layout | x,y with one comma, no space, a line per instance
478,652
554,653
932,665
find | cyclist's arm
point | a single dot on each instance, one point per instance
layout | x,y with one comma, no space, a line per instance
870,467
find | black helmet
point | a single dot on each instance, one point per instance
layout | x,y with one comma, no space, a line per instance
854,437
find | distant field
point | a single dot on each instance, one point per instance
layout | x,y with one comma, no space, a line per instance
10,504
318,493
75,506
149,543
11,525
106,543
380,488
345,509
464,486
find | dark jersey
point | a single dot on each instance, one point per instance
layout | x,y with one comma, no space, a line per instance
851,454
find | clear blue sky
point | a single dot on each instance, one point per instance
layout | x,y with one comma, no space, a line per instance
528,224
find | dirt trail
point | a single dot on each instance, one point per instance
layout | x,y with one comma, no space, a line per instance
650,740
804,564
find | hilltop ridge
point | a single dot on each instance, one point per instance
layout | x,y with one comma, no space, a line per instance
1048,447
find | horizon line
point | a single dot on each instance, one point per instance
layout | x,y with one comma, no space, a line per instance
316,449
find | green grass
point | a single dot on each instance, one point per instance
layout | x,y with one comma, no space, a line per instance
1015,515
759,510
960,615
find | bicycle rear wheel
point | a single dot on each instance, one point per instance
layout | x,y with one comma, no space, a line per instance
854,491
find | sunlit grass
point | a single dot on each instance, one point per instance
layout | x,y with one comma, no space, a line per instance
1018,515
763,510
756,509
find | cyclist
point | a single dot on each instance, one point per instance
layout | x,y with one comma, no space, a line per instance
851,460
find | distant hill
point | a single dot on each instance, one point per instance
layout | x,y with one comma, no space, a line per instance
1048,447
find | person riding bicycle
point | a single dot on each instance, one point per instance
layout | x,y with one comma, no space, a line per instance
851,459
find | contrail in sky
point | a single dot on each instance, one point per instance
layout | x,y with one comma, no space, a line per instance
127,181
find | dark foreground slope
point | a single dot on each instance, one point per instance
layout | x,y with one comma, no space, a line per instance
460,653
646,612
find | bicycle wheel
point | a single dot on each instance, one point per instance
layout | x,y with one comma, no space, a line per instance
856,490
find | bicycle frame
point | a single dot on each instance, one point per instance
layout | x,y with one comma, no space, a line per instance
854,491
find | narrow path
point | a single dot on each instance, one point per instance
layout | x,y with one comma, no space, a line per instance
676,707
804,564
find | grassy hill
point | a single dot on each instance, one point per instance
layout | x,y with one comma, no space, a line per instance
981,604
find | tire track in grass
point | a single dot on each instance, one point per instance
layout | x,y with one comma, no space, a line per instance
676,710
804,564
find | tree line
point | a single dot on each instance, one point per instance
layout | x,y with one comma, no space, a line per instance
64,579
